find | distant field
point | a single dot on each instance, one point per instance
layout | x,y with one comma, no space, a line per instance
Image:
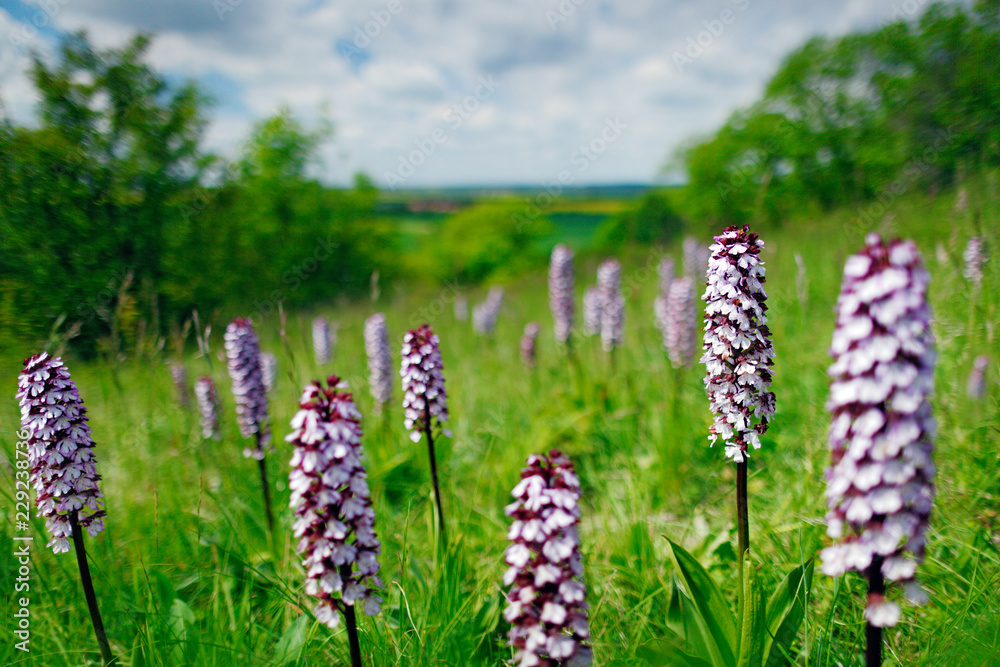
575,221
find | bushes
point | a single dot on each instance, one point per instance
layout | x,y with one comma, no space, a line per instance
487,239
653,220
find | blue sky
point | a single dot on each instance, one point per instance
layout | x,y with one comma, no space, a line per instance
458,92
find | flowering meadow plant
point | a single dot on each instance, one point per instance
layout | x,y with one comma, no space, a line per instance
880,485
679,325
63,470
380,378
592,311
561,292
738,350
321,340
425,402
208,407
546,608
529,347
243,353
334,519
609,283
60,450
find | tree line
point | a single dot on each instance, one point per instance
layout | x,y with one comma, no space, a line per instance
115,221
914,103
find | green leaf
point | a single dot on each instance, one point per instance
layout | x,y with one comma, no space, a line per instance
714,619
663,652
182,628
675,613
752,635
289,648
785,611
688,623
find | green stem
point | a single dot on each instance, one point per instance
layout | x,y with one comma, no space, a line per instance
262,465
434,475
873,634
742,522
351,621
107,658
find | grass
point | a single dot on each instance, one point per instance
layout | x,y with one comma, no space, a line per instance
186,574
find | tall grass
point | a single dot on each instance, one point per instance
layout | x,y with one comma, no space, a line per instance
187,575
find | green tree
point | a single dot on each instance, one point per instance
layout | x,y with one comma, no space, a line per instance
493,238
88,197
652,220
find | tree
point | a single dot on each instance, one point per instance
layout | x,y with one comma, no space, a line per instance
89,196
653,220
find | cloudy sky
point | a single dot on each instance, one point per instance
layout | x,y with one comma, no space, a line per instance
458,92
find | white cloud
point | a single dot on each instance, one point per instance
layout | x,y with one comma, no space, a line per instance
557,86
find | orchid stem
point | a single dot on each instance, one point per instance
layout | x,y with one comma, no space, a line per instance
107,658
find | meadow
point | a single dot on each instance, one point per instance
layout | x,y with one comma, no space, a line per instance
186,573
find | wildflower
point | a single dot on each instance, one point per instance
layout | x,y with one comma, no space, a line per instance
974,257
665,271
379,360
678,334
334,519
485,314
178,374
528,348
880,484
425,402
321,340
546,608
801,280
243,352
60,450
592,311
696,258
738,351
976,385
609,282
461,308
208,407
961,201
561,292
268,370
